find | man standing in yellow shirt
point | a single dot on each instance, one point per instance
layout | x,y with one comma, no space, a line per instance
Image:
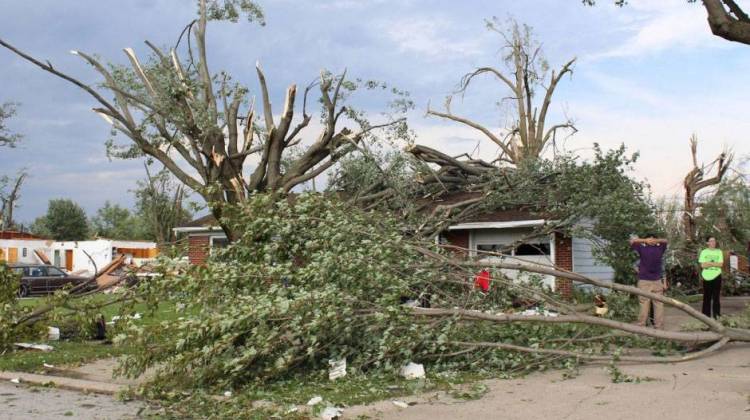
711,260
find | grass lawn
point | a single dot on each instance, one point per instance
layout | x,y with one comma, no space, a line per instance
74,351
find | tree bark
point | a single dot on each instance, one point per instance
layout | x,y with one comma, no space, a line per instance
727,20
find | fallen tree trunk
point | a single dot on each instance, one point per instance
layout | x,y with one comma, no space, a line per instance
718,335
593,357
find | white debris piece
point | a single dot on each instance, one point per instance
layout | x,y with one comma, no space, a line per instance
536,311
412,371
16,380
315,400
228,394
136,316
400,404
337,370
413,303
331,413
48,366
53,333
32,346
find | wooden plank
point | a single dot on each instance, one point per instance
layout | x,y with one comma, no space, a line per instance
42,256
114,265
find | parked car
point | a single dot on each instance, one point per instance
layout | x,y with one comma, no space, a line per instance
39,279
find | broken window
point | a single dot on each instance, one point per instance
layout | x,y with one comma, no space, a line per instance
533,249
219,242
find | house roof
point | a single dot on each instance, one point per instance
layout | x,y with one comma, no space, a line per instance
206,223
12,234
497,219
494,216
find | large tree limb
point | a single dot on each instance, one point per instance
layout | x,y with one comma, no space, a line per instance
576,318
484,130
594,357
732,28
48,68
550,91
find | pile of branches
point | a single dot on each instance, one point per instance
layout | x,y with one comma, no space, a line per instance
317,280
11,312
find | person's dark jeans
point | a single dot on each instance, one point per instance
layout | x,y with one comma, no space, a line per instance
711,296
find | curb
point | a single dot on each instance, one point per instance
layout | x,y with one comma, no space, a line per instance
62,382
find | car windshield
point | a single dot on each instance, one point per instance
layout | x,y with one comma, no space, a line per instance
54,272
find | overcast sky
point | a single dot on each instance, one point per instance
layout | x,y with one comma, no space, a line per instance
648,75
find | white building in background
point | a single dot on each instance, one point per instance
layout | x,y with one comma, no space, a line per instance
71,256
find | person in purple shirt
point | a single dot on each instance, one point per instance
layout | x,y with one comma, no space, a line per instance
651,251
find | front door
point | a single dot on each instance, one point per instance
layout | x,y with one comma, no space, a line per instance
12,255
69,259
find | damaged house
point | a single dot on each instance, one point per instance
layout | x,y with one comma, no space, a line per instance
509,232
80,257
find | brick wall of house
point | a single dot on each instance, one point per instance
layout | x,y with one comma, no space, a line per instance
564,260
198,247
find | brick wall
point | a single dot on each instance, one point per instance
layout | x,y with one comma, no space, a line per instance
198,247
564,260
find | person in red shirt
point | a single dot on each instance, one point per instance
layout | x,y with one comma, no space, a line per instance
482,280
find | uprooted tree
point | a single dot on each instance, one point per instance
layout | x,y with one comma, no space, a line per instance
174,110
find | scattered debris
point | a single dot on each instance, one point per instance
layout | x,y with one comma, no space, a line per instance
536,311
400,404
228,394
412,371
53,333
16,380
331,413
600,303
48,366
337,370
105,279
32,346
101,328
42,256
412,303
315,400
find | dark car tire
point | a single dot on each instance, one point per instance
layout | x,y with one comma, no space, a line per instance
23,291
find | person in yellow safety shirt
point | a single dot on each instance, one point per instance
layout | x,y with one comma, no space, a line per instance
711,260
